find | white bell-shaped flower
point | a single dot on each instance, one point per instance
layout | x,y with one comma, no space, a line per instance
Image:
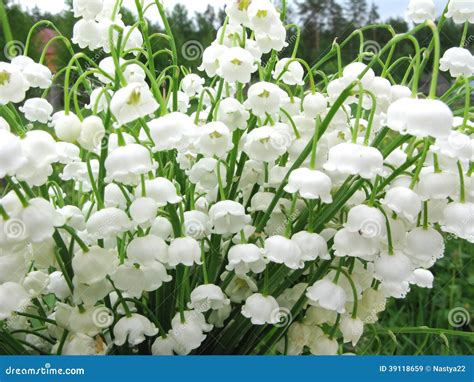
404,202
196,224
421,10
261,309
108,223
37,75
228,217
293,75
420,117
458,219
92,133
189,334
211,58
459,62
13,297
126,163
437,185
328,295
263,98
133,330
352,72
161,190
456,145
37,110
164,346
13,85
266,144
57,285
184,250
168,131
162,228
323,345
237,12
244,258
93,266
11,158
314,105
214,140
424,246
143,211
262,14
79,344
310,184
354,159
147,249
87,34
192,84
273,38
367,221
422,278
207,297
351,329
312,246
88,9
395,267
204,173
233,114
280,250
236,65
461,11
66,126
36,282
132,102
38,220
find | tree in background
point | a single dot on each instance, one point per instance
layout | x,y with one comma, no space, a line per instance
356,12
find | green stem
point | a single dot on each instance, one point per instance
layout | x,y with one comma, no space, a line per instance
437,57
5,23
462,195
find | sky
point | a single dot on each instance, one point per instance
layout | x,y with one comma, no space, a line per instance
388,8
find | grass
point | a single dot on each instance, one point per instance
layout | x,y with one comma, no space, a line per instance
453,288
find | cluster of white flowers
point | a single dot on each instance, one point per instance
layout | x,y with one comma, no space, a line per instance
146,220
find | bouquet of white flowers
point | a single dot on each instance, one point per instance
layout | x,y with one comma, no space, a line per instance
268,208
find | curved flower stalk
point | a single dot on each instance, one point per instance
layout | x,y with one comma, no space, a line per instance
263,200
